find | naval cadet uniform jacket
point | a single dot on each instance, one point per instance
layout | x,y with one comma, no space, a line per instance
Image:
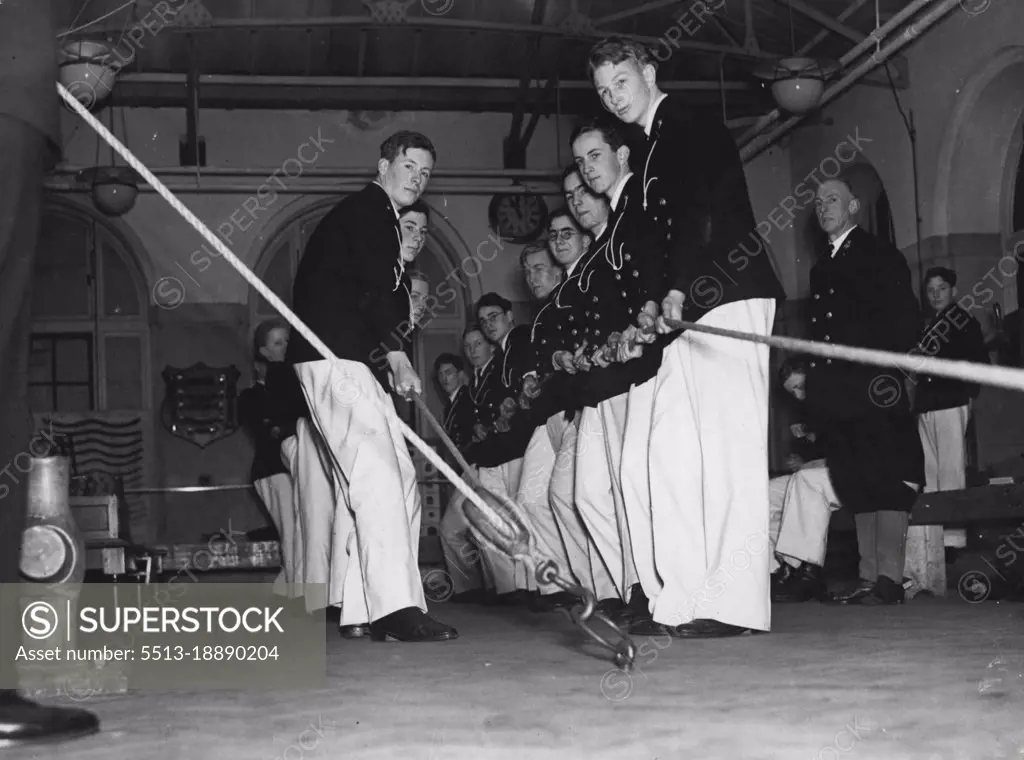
953,334
623,270
862,296
694,186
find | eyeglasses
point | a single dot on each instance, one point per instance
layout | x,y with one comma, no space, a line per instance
564,235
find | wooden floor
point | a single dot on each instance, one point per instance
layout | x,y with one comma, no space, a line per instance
877,683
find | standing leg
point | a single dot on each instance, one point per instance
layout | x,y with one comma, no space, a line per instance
595,498
534,485
713,491
613,420
584,558
807,512
951,475
508,575
636,484
276,494
867,537
777,488
461,556
380,477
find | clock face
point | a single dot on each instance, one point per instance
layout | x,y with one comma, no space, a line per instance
518,217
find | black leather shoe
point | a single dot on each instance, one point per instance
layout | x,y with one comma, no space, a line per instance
645,626
801,585
851,596
706,629
410,625
354,631
24,722
886,591
616,610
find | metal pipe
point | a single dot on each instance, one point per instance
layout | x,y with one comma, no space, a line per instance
338,173
823,34
550,188
383,82
410,22
909,34
876,37
187,489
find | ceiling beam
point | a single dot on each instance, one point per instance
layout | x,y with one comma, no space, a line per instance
402,94
115,31
823,20
514,149
821,36
646,7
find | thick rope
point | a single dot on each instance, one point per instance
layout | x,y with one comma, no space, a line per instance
255,281
983,374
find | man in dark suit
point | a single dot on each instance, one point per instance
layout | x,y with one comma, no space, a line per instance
31,138
352,290
622,275
861,296
500,454
709,471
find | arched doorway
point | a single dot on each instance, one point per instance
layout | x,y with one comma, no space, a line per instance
443,255
977,181
90,368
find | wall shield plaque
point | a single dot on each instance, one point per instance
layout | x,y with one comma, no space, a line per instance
201,403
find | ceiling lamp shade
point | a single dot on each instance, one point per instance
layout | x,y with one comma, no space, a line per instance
114,190
797,83
87,72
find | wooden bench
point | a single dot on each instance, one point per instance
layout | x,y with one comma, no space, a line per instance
957,508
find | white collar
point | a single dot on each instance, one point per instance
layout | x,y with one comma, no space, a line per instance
613,198
600,230
838,242
649,117
453,396
504,341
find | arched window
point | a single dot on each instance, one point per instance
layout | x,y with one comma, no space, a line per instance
443,333
89,326
89,372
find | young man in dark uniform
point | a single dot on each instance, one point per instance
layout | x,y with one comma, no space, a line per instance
861,296
943,405
352,290
709,471
30,136
500,454
622,275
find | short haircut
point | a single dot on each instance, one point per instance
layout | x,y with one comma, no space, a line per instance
400,142
416,274
604,126
791,365
417,207
531,248
475,327
493,299
569,171
447,358
944,273
558,213
262,335
615,50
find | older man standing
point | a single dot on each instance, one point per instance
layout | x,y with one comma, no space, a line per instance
30,136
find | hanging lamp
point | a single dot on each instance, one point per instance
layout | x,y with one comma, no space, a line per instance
797,83
114,188
86,69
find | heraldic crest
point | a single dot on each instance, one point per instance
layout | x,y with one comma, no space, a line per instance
201,403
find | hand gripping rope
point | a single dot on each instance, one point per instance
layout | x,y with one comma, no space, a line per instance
496,522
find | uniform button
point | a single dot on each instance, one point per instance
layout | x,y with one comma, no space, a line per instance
813,320
817,297
831,291
828,337
661,201
570,317
595,299
668,236
828,361
669,221
624,294
587,313
597,316
626,257
828,316
618,276
655,217
597,333
574,332
813,365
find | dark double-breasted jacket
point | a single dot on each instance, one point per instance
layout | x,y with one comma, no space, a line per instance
694,187
351,288
622,271
862,296
952,334
459,419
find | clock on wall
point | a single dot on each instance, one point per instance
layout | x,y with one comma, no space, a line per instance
518,217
